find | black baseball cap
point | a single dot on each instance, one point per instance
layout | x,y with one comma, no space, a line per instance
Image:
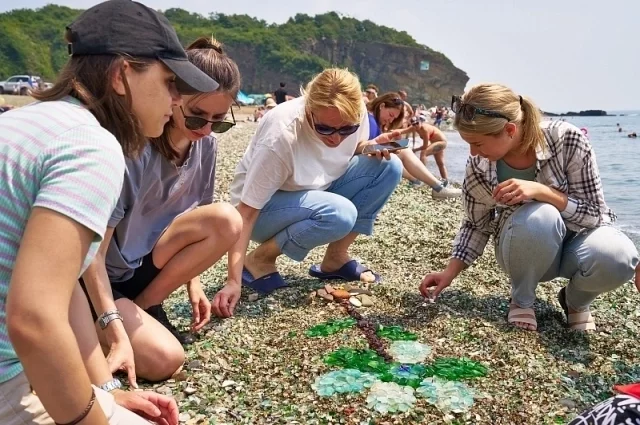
128,27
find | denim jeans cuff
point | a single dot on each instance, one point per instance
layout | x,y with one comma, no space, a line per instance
364,226
290,248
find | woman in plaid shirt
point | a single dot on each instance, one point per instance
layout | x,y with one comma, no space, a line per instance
535,186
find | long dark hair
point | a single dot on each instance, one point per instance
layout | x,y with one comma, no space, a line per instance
389,100
208,55
88,78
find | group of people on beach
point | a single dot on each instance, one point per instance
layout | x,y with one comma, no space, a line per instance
108,207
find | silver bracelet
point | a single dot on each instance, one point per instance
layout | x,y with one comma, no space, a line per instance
108,317
112,385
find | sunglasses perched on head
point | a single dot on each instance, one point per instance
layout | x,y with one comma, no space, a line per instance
326,130
468,112
196,123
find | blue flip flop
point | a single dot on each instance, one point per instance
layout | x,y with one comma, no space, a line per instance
265,284
350,272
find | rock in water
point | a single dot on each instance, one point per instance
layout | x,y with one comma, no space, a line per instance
355,302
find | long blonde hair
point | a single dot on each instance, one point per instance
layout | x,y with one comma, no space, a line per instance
336,88
501,99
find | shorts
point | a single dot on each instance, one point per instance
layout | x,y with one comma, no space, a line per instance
20,406
131,288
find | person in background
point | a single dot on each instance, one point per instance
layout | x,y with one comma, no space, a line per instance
403,95
371,92
535,186
280,94
166,228
62,167
269,105
433,143
386,113
303,182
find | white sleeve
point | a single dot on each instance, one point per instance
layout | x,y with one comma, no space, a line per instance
265,175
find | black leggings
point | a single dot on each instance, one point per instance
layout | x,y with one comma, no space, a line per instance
130,289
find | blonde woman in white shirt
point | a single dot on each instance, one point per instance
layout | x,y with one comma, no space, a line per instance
302,183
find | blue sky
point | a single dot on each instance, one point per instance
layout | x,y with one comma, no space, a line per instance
564,54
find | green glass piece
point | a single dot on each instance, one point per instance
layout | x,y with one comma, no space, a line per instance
395,333
330,327
363,360
448,396
389,397
343,381
453,369
409,351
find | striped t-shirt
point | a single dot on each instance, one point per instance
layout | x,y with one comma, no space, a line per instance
53,155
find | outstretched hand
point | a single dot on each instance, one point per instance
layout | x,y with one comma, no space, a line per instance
433,284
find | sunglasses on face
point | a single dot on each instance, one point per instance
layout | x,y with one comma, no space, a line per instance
469,112
326,130
196,123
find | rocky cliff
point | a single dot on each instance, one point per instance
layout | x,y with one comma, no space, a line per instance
391,67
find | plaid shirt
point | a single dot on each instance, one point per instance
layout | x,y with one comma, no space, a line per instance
568,164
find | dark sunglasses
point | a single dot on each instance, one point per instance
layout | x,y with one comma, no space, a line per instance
326,130
196,123
469,112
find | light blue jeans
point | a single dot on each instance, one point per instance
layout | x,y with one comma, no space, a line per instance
535,246
303,220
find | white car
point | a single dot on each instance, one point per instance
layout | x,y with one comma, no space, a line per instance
19,84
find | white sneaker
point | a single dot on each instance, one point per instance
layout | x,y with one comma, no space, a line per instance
446,193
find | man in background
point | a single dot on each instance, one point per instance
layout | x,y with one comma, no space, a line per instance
280,94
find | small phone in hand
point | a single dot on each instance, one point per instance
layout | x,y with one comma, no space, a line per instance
391,147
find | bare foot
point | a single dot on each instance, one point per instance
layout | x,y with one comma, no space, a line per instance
523,318
333,261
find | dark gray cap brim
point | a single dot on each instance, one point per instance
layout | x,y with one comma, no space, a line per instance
190,79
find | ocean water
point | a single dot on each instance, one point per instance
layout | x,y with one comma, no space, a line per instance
617,157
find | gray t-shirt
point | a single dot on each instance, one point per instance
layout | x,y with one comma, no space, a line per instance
154,193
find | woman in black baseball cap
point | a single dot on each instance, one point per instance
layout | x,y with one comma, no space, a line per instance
61,173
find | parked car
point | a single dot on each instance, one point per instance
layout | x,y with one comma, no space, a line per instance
19,84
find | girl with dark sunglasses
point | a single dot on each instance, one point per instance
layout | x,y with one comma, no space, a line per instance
166,229
535,187
301,184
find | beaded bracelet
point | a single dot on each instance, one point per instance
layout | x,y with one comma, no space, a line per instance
85,412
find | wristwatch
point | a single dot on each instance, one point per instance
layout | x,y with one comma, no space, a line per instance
108,317
112,385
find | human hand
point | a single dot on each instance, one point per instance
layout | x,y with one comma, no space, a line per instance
158,408
224,303
516,191
120,357
200,306
439,281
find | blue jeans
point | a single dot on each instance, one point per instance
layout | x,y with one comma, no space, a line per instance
535,246
303,220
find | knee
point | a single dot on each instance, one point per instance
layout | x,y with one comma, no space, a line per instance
224,220
164,363
538,221
393,167
612,256
340,215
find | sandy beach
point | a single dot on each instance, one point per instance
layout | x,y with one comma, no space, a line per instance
258,367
